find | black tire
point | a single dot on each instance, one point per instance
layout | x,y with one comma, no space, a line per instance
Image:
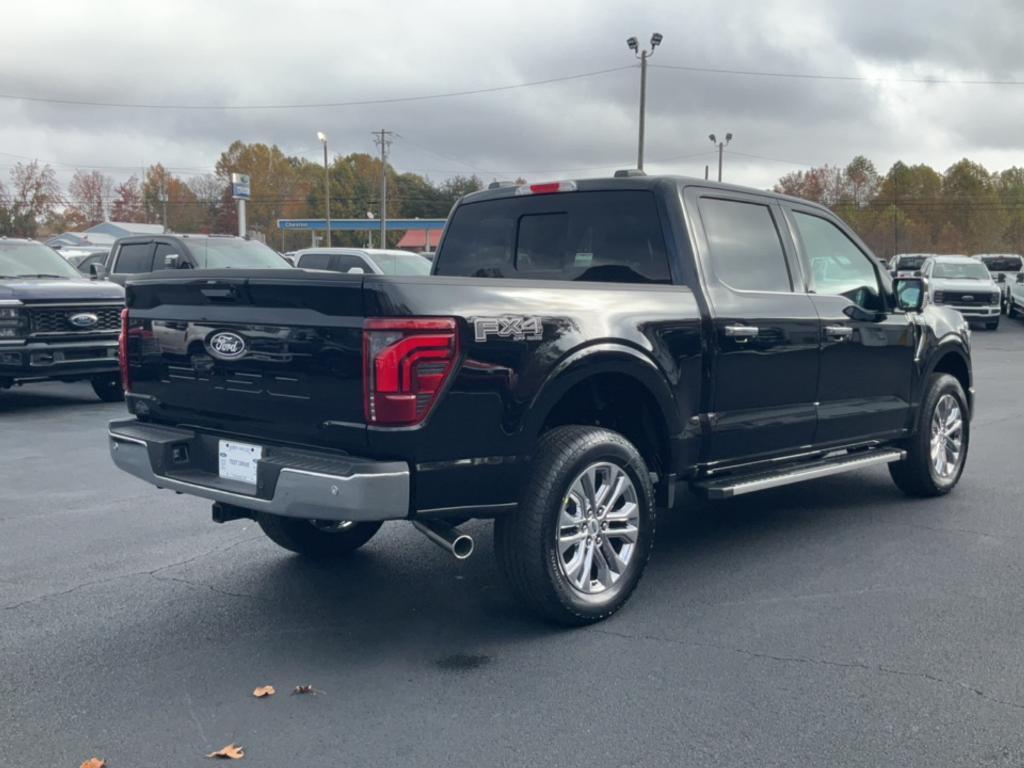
992,325
525,541
318,541
108,388
916,475
1011,308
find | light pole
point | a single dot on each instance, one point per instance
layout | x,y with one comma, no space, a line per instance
327,186
721,147
643,55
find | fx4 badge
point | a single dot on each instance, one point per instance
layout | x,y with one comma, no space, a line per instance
508,327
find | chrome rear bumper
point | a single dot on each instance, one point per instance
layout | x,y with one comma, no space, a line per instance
292,483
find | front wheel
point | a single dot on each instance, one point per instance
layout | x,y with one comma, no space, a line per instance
936,454
317,539
575,549
108,388
992,325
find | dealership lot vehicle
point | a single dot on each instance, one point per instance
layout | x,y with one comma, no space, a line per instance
907,264
1015,299
1004,268
580,349
55,324
83,257
965,285
142,254
373,261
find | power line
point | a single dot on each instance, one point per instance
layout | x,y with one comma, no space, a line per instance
320,105
844,78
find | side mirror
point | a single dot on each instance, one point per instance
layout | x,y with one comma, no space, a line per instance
1020,277
97,271
1001,278
172,261
356,271
911,293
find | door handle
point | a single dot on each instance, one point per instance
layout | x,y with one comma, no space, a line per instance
742,333
838,332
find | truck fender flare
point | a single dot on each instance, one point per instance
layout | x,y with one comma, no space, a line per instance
943,349
595,360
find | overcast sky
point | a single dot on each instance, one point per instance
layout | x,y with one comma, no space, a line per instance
299,52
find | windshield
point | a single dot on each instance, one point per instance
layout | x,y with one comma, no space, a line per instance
230,253
1002,263
401,263
909,262
960,270
33,260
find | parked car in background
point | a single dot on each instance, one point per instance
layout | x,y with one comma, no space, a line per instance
369,261
55,324
907,264
1015,297
966,285
142,254
83,257
1004,268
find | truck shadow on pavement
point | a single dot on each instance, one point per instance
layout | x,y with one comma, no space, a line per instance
41,397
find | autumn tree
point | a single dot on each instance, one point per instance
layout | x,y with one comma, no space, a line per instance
280,183
127,204
33,197
184,212
974,214
88,194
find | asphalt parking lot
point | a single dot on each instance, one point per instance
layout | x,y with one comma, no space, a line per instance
830,623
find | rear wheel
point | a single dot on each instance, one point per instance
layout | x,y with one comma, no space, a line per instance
108,388
317,539
991,325
1011,307
937,453
578,544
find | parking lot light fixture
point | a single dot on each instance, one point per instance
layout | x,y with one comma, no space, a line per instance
327,186
643,55
721,147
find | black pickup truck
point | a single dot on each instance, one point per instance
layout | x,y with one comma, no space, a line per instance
54,323
580,350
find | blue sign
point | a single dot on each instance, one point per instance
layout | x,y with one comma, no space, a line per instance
360,225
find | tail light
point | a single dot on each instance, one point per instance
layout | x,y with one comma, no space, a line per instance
407,362
122,352
546,188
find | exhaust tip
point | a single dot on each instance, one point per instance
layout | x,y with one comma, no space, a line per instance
462,547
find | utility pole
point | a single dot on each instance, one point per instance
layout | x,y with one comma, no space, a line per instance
327,186
643,55
383,139
895,215
721,148
163,203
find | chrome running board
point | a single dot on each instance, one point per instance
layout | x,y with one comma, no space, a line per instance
738,485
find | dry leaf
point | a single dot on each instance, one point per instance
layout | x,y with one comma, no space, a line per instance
94,762
230,752
263,691
306,689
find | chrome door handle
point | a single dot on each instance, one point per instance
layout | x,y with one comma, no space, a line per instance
838,332
742,333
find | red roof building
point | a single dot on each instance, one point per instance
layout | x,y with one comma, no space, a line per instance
416,240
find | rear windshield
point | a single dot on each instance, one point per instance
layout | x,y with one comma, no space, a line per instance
909,262
589,236
226,253
1002,263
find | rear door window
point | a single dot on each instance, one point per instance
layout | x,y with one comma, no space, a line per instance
134,257
315,261
343,262
168,249
744,248
586,236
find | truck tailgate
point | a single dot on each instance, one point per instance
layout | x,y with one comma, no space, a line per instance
277,354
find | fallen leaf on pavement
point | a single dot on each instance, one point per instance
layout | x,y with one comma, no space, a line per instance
230,752
94,762
306,689
263,691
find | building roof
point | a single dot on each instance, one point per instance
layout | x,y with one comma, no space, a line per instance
414,238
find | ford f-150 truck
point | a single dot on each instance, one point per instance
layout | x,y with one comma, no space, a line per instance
580,351
54,323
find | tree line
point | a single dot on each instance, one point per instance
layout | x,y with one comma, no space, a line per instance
34,204
915,209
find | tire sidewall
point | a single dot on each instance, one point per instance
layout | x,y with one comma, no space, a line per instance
945,385
626,458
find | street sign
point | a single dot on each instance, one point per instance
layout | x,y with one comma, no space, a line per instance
240,189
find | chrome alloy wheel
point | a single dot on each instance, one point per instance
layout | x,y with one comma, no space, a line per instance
597,528
947,444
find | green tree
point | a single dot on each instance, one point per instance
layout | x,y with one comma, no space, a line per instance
975,214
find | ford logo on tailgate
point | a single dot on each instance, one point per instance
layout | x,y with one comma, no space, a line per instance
84,320
226,345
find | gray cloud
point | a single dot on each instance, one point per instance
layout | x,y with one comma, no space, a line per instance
267,52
